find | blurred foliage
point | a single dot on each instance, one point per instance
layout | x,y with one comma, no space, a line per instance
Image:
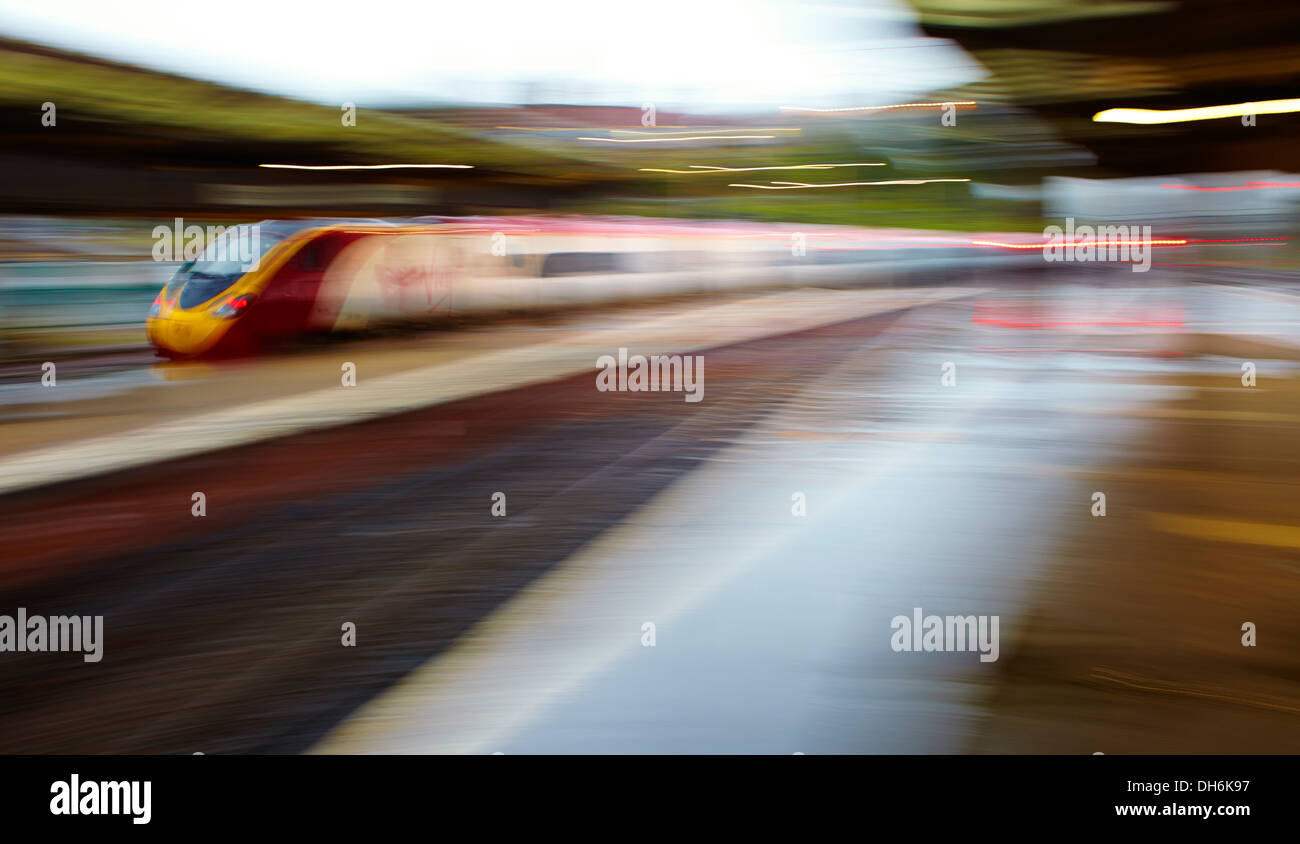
878,211
164,121
146,103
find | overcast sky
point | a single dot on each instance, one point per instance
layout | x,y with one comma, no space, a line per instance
710,54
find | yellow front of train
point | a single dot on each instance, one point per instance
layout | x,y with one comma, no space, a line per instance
199,310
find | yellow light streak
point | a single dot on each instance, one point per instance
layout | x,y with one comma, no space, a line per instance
1150,116
802,110
665,140
804,185
368,166
706,168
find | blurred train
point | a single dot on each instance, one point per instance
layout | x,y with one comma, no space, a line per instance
317,277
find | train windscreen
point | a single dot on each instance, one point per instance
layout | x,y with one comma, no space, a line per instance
217,269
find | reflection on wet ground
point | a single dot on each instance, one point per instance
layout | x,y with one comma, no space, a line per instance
772,630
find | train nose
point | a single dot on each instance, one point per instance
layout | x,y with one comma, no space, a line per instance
183,333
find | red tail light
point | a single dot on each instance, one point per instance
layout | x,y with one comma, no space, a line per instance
234,306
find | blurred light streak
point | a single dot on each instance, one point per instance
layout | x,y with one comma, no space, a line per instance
1081,323
1262,241
888,246
1149,116
1033,315
1000,350
1128,680
802,110
368,166
576,128
804,186
689,138
1223,264
1229,530
1246,186
706,168
1090,243
683,130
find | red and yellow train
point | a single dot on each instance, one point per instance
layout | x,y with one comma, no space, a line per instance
313,277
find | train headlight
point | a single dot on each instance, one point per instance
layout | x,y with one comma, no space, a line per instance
156,308
234,306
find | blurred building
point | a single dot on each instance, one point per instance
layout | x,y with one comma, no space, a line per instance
1068,60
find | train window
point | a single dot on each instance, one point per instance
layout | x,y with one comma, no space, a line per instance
208,277
178,280
580,263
